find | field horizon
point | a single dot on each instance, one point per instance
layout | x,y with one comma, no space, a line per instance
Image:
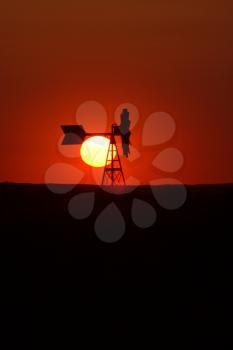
56,265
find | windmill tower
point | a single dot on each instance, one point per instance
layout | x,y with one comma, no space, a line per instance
113,172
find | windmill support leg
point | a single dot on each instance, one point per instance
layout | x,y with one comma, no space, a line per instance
113,172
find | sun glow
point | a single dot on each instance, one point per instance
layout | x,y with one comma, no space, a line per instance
94,151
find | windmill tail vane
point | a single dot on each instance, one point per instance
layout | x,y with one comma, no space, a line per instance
113,172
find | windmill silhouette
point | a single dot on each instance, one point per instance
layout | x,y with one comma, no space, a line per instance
113,172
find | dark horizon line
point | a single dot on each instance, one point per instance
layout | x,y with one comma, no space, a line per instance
99,185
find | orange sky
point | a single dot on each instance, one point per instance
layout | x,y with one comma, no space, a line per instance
172,56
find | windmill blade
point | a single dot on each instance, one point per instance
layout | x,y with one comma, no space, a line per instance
125,132
125,122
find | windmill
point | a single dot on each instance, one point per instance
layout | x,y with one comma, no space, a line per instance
113,172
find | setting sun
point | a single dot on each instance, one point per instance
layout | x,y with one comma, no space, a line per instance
94,151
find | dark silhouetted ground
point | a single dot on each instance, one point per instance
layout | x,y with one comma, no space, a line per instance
171,282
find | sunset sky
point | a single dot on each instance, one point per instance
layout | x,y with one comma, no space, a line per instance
171,56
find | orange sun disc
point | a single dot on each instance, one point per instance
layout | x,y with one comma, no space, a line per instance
94,151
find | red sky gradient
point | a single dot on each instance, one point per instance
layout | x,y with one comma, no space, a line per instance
172,56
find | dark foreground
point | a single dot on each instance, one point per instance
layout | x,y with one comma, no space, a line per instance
169,283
